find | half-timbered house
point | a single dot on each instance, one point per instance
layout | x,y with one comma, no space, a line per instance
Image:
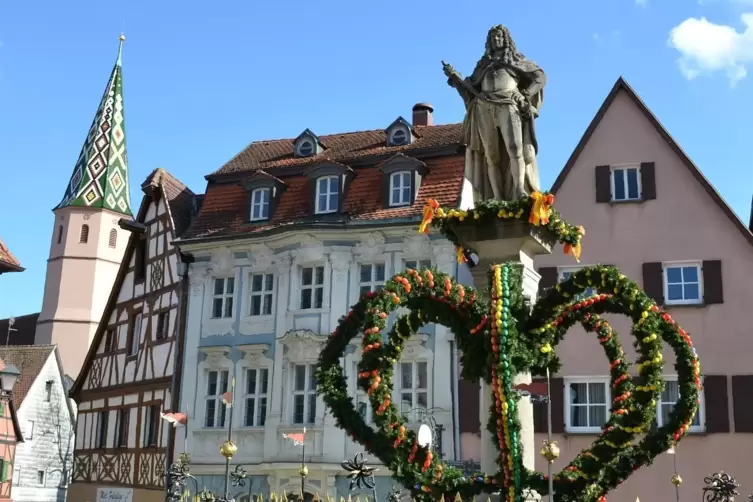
126,382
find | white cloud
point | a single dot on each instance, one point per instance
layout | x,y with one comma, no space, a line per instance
641,3
707,48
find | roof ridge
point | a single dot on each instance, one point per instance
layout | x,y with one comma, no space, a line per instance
348,133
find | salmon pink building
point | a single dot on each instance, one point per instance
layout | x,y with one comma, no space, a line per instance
649,210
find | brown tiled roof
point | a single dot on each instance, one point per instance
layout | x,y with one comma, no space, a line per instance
23,333
225,205
343,148
29,359
180,198
8,262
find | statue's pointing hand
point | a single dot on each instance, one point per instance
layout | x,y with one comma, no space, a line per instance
449,71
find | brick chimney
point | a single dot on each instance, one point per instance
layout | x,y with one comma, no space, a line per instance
423,115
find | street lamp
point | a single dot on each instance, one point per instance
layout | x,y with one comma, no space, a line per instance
8,377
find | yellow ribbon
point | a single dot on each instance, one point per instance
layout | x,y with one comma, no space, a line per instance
430,209
541,208
460,255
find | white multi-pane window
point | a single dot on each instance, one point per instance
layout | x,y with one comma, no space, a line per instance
260,204
363,405
417,264
626,183
214,409
566,272
682,283
413,389
401,188
222,297
327,194
261,294
372,277
587,405
669,397
257,386
312,287
135,335
304,393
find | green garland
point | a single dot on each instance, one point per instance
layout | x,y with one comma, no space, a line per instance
497,340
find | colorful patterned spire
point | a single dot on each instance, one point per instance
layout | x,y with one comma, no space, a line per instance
100,178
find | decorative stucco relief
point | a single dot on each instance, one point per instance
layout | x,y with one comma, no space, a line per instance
302,344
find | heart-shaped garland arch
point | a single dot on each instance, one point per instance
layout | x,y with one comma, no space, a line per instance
497,341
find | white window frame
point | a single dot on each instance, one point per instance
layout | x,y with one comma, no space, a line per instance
569,428
417,264
219,406
395,131
701,413
304,142
260,418
261,294
401,176
29,429
374,284
562,271
260,208
665,282
361,396
225,296
307,392
138,322
314,286
44,478
623,169
415,416
329,179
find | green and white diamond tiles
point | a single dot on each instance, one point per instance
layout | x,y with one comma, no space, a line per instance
100,177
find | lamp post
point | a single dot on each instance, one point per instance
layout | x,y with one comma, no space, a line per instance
8,377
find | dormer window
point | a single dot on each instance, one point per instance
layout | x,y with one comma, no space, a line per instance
329,181
399,137
260,204
327,194
401,188
305,148
399,133
401,180
264,191
307,144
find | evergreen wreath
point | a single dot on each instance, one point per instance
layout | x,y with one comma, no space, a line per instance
498,339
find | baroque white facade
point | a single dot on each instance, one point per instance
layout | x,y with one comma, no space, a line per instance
260,311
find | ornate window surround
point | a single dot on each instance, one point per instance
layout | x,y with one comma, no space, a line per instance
217,359
312,254
254,358
299,347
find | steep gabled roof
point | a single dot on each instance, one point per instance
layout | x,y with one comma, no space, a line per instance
622,85
29,359
8,262
180,201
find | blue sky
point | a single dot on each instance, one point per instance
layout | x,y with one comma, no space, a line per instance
202,81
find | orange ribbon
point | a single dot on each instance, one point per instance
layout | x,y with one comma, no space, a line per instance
430,209
541,208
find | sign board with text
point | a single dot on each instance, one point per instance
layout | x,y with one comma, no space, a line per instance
105,494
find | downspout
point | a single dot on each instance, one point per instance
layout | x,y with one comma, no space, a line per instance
454,390
180,334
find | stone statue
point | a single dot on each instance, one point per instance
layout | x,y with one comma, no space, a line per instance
502,98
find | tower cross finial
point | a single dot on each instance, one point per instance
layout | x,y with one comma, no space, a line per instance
120,47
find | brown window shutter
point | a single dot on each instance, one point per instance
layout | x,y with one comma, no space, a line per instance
653,281
469,400
557,395
742,402
713,288
539,413
386,189
715,396
549,278
648,181
603,184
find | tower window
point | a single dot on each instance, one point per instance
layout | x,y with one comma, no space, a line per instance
113,241
60,234
84,237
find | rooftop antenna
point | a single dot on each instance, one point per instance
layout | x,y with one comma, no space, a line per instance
11,322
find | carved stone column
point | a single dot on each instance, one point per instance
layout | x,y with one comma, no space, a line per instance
517,242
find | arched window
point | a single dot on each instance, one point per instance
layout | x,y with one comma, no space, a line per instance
60,234
113,238
84,237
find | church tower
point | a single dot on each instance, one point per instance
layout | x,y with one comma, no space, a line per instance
87,244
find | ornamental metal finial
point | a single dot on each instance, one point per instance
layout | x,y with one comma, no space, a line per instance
720,487
360,474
